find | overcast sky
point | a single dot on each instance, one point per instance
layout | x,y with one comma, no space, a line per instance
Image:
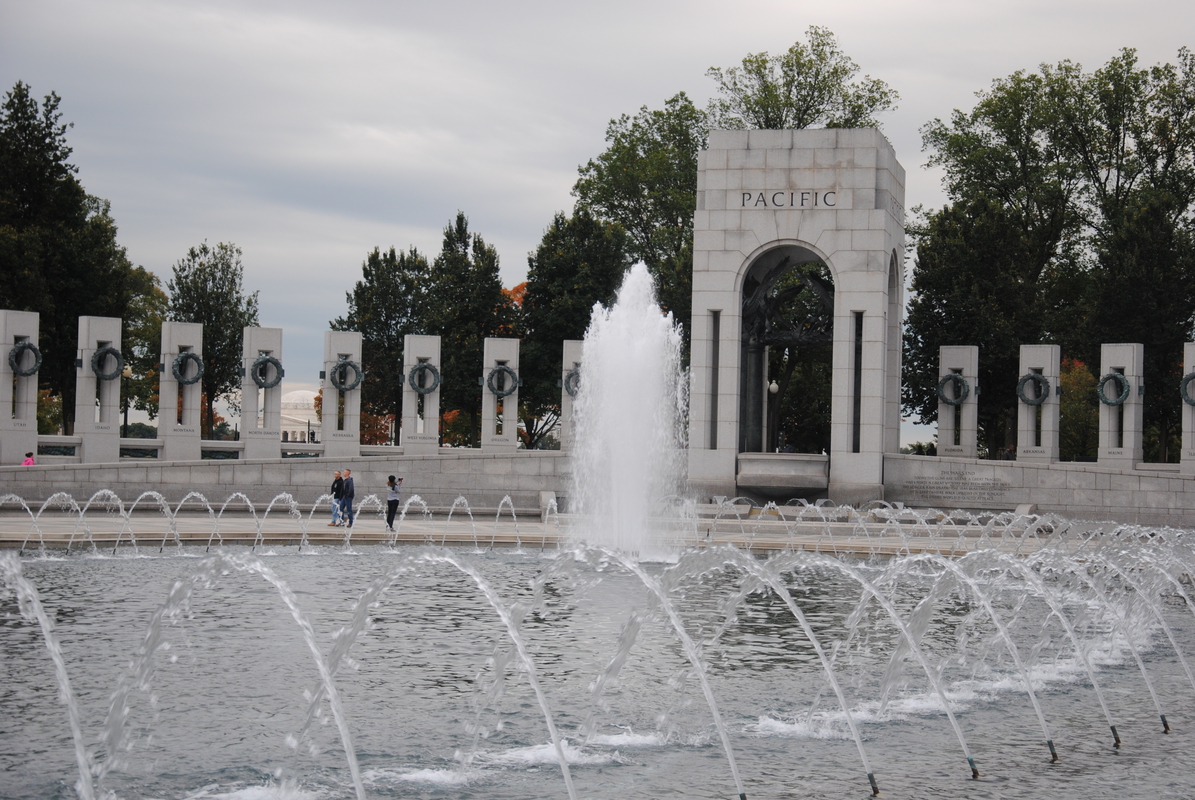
309,133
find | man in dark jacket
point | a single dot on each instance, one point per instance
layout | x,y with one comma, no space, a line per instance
346,501
337,492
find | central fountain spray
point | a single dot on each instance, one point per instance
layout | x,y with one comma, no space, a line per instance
630,410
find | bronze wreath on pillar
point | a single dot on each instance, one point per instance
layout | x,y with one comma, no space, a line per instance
259,370
180,365
509,384
1041,384
959,386
14,359
339,376
1121,381
97,363
415,378
572,381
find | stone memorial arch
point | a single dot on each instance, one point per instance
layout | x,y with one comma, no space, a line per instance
767,202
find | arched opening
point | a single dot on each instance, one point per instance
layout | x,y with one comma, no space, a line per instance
787,342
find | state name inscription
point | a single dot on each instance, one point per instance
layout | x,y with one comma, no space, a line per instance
958,487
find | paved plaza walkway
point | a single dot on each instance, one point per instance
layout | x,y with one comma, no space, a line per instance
149,528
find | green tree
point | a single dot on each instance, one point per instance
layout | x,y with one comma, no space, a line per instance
142,340
465,305
384,306
809,85
580,261
970,288
207,288
139,430
646,181
1093,175
58,250
1130,134
1126,130
1002,151
1143,290
987,265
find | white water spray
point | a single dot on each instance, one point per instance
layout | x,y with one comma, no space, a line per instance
629,416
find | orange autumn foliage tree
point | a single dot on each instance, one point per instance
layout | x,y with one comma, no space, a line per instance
376,428
1078,428
455,430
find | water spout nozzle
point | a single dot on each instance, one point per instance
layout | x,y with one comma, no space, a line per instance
875,790
742,796
1053,752
1115,736
1165,724
974,769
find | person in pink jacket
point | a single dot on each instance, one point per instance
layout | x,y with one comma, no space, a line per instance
28,462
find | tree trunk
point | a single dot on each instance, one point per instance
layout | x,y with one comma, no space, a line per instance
68,403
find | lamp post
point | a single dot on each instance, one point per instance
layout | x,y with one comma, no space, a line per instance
773,418
125,374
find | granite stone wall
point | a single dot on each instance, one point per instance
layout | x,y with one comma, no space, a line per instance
483,479
1152,494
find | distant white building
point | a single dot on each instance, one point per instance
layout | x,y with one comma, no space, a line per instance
299,421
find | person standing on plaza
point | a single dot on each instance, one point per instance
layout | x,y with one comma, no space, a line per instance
28,462
337,492
346,499
394,487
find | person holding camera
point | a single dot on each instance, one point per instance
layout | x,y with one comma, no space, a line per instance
394,486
